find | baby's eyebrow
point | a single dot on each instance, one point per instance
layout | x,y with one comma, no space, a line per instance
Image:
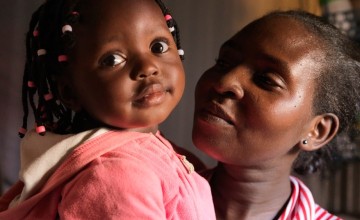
112,39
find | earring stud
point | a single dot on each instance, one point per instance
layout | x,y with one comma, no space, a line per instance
305,141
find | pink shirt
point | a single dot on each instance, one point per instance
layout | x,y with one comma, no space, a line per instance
118,175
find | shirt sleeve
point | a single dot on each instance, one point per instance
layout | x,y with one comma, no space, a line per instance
111,188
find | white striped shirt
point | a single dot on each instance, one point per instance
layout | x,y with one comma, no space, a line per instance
302,206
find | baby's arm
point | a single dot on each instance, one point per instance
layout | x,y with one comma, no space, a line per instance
113,189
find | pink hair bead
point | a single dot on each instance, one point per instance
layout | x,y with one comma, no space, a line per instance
22,131
31,84
62,58
35,33
168,17
40,130
48,97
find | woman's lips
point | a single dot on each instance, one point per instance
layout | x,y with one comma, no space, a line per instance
151,95
214,113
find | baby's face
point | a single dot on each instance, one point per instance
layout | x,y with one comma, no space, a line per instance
255,104
125,69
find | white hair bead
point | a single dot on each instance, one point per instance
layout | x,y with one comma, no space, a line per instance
181,52
41,52
66,28
172,29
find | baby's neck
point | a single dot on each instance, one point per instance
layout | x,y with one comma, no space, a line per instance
251,195
152,129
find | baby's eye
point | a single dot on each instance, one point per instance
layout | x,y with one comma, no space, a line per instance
159,47
112,60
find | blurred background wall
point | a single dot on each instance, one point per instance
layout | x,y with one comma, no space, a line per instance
204,25
14,18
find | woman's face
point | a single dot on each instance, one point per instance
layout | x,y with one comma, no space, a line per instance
125,68
255,104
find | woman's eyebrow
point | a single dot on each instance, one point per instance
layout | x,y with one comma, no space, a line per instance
279,63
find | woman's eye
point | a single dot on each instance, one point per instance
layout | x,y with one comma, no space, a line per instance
159,47
267,81
112,60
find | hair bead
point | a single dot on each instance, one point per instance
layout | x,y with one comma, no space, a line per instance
181,52
31,84
35,33
66,28
168,17
40,130
48,97
22,132
62,58
41,52
171,29
72,17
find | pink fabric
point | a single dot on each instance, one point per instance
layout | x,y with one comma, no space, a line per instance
118,175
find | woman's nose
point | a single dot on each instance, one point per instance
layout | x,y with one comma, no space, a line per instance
230,84
144,67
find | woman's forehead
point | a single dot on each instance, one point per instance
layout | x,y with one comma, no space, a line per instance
285,26
281,33
284,43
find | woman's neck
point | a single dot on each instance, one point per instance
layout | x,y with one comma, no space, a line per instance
245,193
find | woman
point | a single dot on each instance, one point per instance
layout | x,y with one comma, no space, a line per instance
276,97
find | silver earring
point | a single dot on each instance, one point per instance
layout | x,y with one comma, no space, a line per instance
305,141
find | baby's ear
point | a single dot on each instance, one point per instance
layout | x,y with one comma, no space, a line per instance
322,130
67,95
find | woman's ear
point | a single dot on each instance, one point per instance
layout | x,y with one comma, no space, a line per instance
67,95
323,129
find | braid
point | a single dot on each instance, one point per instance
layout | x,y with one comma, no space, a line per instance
44,44
28,81
48,41
172,26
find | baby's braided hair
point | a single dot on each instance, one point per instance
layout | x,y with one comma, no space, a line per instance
48,42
